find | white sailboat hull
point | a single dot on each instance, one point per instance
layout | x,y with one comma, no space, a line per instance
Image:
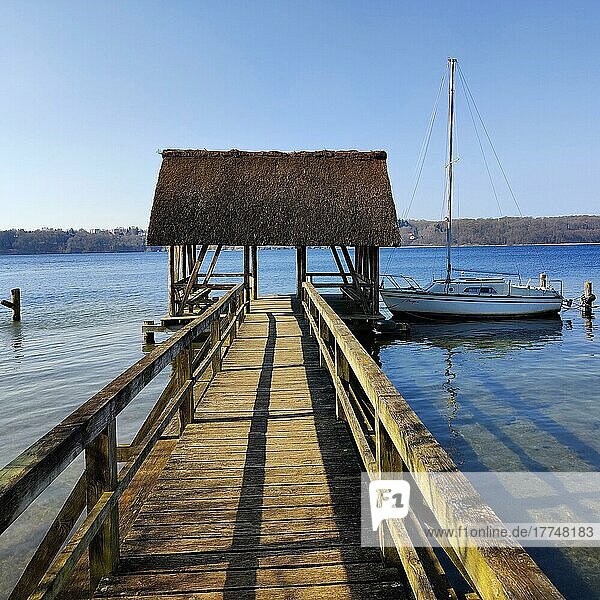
408,302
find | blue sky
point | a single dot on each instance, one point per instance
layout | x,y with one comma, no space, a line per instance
91,90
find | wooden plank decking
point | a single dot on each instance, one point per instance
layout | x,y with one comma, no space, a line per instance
260,496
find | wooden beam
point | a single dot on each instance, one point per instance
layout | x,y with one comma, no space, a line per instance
193,277
375,278
300,269
213,264
247,294
338,262
171,280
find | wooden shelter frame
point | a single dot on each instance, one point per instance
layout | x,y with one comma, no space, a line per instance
189,287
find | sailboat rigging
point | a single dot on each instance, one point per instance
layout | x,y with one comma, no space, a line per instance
474,297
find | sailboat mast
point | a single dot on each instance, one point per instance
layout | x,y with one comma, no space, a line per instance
451,66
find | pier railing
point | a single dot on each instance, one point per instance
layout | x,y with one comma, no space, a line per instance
195,352
391,438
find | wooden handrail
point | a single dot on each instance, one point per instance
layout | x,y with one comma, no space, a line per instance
91,427
506,572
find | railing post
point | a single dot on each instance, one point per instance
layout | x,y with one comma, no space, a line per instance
183,373
320,327
342,369
388,462
215,338
233,308
101,476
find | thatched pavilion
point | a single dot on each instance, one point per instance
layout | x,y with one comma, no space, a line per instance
328,198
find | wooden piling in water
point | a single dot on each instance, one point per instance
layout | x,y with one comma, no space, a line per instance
587,300
14,303
149,335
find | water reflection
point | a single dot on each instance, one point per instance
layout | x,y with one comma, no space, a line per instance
588,323
497,337
16,342
499,397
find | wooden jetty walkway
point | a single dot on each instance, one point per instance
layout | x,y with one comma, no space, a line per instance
260,496
244,480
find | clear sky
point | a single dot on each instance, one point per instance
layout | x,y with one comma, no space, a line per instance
90,91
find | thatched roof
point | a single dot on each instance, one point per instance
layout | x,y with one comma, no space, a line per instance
273,199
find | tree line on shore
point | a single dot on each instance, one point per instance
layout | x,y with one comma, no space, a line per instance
505,231
59,241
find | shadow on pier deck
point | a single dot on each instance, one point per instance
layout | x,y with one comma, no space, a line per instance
260,497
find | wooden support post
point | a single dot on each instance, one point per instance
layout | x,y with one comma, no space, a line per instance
15,298
215,337
587,300
320,334
375,277
233,308
247,276
101,476
254,272
149,335
14,303
177,261
171,283
359,260
300,269
191,258
389,464
183,258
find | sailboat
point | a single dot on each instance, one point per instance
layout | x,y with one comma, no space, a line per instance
466,296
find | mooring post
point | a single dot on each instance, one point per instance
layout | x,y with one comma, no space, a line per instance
148,335
587,300
14,303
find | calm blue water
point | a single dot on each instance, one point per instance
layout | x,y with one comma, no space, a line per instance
511,395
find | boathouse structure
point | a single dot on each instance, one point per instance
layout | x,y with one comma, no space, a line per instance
249,199
244,481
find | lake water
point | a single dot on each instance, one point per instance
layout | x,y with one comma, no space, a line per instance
507,396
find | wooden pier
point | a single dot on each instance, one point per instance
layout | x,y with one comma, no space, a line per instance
260,495
244,480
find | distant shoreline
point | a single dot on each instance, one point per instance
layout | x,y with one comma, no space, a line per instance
233,248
